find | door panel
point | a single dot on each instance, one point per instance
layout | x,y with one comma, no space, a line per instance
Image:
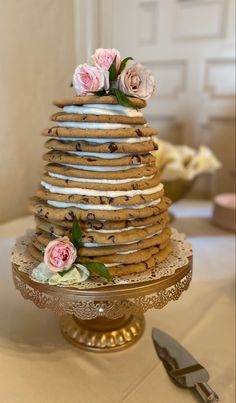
189,46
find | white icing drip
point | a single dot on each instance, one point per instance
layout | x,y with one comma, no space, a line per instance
97,125
131,140
108,193
105,207
103,168
108,156
93,244
103,109
106,181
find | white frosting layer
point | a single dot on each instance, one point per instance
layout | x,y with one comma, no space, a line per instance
99,155
93,244
97,125
127,252
110,231
105,181
103,169
103,109
92,192
105,207
130,140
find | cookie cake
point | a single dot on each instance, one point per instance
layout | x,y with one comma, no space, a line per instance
101,206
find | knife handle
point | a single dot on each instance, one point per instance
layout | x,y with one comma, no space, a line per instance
206,393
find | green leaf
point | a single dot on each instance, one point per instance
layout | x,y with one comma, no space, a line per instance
99,268
100,93
76,233
112,71
122,99
123,63
62,273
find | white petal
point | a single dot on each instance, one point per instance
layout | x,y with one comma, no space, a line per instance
41,273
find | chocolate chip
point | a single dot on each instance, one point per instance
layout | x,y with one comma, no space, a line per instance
111,238
97,225
91,216
91,159
136,159
90,238
103,199
85,117
78,147
69,216
135,186
52,129
139,132
112,147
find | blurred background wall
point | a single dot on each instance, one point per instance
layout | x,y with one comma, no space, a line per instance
37,59
189,45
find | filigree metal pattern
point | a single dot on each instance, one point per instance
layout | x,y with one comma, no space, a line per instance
64,303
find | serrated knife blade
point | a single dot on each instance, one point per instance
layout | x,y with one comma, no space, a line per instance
181,366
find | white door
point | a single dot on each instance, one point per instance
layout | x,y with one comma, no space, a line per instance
189,45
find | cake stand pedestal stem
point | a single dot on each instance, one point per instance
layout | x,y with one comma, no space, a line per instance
103,334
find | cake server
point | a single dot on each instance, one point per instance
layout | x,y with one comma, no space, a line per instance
182,367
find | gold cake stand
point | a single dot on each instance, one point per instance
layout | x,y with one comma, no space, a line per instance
104,319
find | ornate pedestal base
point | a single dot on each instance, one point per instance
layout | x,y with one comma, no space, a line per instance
102,334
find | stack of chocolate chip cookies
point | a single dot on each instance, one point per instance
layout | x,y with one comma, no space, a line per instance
100,170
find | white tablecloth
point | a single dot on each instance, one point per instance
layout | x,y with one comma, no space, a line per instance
38,365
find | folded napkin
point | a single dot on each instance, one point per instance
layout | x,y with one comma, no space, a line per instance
183,162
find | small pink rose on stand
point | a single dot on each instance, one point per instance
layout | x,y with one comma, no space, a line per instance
59,266
60,254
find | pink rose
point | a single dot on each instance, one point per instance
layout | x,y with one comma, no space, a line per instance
136,80
88,79
103,58
59,254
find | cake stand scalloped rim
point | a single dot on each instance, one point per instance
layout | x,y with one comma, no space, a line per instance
97,302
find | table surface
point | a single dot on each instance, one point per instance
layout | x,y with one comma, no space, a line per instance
38,365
